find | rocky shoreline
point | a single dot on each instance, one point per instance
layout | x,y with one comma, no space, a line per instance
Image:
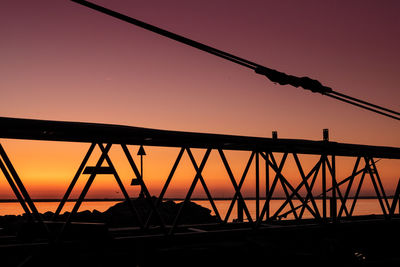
369,241
120,215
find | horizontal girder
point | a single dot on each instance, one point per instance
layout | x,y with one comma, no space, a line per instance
32,129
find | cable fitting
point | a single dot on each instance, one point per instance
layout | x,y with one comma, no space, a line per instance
284,79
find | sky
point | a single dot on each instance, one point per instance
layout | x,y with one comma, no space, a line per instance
63,61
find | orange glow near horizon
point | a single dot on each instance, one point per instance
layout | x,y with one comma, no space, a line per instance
46,168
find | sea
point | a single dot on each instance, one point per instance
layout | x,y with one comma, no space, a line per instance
362,207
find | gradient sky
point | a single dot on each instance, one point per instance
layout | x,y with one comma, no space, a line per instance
63,61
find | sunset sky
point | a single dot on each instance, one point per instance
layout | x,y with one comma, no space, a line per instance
62,61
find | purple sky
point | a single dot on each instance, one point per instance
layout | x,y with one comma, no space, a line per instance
63,61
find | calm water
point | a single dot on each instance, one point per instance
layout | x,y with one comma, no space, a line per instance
363,207
14,208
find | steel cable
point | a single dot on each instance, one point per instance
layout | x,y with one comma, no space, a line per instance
275,76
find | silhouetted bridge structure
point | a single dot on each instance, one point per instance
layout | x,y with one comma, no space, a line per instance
337,204
333,234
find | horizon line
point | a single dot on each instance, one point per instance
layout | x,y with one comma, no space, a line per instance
167,198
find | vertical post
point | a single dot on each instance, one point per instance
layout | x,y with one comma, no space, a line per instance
325,134
267,185
274,135
325,137
239,211
141,153
141,174
323,159
257,185
332,208
334,188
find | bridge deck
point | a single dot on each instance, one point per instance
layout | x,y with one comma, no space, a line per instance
291,243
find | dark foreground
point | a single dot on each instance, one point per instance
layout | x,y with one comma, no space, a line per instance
357,243
361,241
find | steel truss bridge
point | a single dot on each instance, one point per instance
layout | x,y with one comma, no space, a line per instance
261,150
338,219
337,204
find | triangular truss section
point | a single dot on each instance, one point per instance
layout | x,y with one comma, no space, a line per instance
19,189
99,169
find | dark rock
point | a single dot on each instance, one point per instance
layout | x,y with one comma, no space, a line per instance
121,214
48,215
